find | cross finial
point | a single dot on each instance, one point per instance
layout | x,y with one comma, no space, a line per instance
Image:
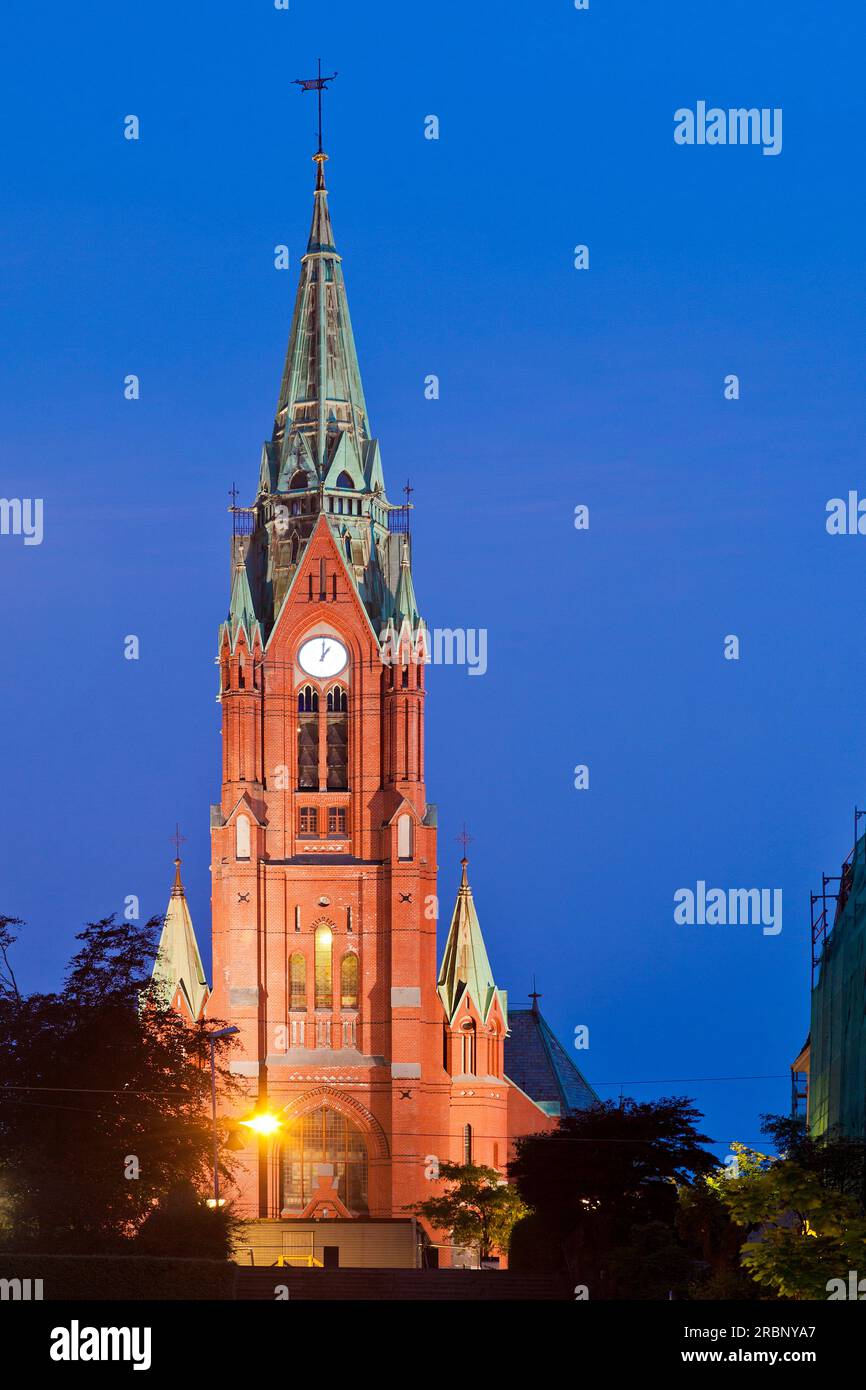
408,490
464,839
316,84
177,840
534,996
233,494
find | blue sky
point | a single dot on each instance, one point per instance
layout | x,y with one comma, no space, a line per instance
558,387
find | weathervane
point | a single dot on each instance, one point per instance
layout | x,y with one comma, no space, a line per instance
316,84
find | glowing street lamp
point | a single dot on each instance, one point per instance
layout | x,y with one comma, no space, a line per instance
263,1123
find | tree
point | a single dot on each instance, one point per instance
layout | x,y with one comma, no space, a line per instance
479,1208
809,1232
104,1096
705,1224
601,1184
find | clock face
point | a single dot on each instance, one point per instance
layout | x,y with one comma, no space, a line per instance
322,657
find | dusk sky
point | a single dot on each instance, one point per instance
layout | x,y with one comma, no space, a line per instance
558,387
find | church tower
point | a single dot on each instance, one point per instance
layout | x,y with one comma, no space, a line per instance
323,842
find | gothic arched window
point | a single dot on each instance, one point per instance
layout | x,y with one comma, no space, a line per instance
467,1039
467,1143
323,1139
349,982
242,837
345,480
338,700
404,836
299,480
323,960
308,700
297,981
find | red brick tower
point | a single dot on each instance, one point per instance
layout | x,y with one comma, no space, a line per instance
323,844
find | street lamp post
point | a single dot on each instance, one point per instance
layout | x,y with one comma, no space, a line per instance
212,1037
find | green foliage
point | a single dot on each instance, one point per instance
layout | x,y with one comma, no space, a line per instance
807,1232
706,1226
478,1208
105,1097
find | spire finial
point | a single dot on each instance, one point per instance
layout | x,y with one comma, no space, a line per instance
317,84
464,839
177,840
534,996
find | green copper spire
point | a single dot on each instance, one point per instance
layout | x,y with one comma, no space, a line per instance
242,613
405,603
321,404
321,458
465,965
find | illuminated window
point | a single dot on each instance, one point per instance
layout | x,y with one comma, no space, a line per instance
323,1142
297,981
242,837
349,982
324,986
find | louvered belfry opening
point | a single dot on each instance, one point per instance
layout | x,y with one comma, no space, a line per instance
338,740
308,739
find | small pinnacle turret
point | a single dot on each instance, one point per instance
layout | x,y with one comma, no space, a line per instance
465,964
178,969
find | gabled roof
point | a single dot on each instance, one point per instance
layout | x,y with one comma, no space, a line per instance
178,962
465,966
538,1063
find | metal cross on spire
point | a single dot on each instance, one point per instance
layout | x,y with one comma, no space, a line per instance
177,840
316,84
464,839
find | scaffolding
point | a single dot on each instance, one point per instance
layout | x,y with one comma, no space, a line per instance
837,1073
